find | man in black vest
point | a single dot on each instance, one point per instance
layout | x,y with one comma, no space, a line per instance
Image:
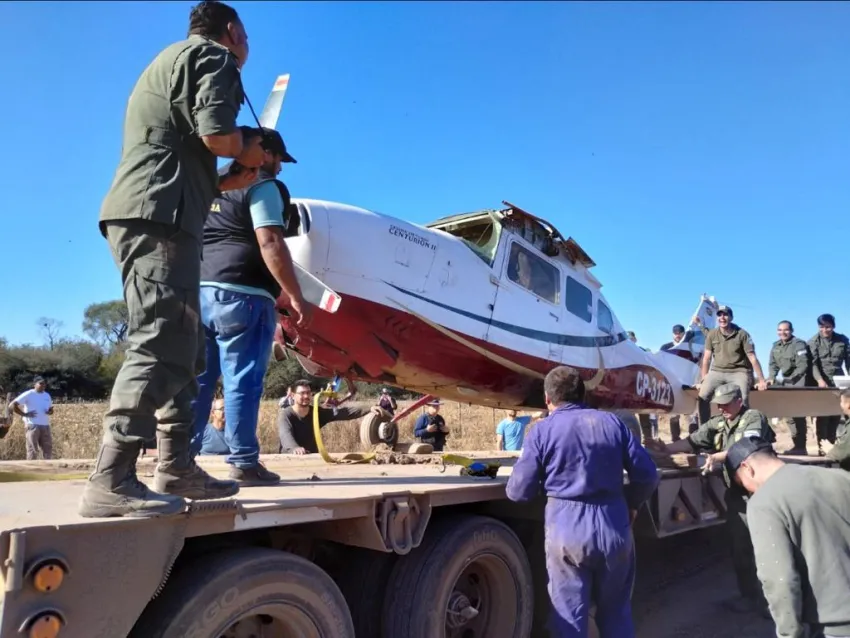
246,266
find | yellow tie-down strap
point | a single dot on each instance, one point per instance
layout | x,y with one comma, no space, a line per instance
317,431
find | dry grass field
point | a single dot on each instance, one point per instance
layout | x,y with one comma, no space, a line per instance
77,430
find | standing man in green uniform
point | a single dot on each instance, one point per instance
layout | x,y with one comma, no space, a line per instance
731,355
830,350
791,358
715,437
180,117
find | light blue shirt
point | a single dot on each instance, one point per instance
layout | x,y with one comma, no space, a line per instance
513,432
266,206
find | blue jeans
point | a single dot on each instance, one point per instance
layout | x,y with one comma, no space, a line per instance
239,331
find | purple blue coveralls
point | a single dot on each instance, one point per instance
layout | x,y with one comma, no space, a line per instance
577,456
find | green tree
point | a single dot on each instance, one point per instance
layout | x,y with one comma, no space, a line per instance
106,322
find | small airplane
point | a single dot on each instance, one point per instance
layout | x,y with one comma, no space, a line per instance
477,308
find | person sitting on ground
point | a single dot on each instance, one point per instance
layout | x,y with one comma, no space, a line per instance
430,427
840,452
511,431
295,423
213,442
388,402
287,400
799,521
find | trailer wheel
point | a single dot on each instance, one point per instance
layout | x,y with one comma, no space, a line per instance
363,581
375,429
249,591
470,578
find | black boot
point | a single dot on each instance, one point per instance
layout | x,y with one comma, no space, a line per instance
113,489
177,473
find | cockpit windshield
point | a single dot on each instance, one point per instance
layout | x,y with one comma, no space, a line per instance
481,233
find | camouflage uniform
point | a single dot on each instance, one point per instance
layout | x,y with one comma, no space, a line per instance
153,219
828,355
793,359
841,452
717,435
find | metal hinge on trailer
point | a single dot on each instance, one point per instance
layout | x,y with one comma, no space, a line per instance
394,523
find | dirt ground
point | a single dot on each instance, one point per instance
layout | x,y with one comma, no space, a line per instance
682,583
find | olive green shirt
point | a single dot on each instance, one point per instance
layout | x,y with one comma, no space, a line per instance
792,358
730,350
840,452
828,355
717,434
166,173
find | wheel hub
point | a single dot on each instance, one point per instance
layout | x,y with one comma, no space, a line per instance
459,611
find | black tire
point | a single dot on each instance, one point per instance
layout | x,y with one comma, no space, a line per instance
424,581
363,581
208,594
370,431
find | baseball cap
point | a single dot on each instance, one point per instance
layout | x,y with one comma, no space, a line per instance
726,393
726,309
38,379
276,145
678,329
743,449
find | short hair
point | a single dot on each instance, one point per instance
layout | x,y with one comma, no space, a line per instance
826,319
790,325
302,383
210,19
564,385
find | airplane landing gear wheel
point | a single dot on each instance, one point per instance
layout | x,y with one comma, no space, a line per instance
375,430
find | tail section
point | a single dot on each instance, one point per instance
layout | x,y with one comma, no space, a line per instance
692,344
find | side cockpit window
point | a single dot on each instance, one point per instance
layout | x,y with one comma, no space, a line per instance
604,318
534,273
579,300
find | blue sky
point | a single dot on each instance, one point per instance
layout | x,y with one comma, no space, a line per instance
689,147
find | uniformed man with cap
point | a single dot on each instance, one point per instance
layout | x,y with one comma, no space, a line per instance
830,351
730,357
180,117
714,438
799,521
246,267
790,364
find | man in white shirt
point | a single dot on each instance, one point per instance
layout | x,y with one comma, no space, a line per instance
36,406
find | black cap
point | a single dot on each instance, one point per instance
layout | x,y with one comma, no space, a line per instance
38,379
678,329
275,145
743,449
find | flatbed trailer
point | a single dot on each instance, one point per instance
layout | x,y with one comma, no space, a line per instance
334,551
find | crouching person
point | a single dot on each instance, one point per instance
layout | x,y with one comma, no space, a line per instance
295,423
576,456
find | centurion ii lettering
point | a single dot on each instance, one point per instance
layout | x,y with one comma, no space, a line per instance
412,237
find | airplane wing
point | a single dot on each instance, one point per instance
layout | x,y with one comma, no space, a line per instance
783,402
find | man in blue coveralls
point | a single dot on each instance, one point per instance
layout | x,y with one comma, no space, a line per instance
577,456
